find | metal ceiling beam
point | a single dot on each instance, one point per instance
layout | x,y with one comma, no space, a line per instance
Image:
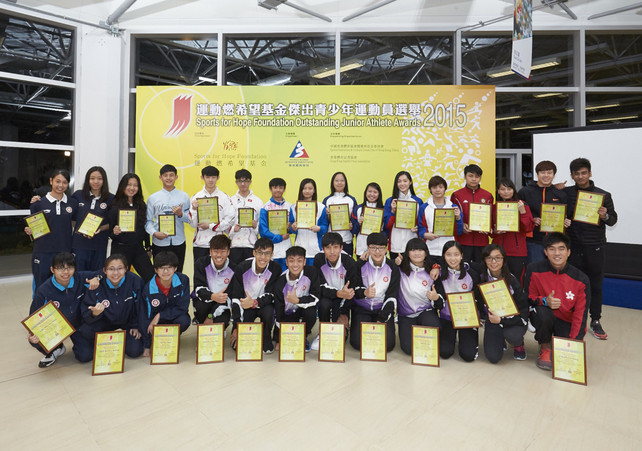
615,11
113,17
367,10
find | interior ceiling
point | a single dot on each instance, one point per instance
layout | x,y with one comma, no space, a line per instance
46,51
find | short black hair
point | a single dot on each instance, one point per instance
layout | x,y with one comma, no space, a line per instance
554,238
580,163
295,251
437,180
113,257
165,258
210,171
546,165
220,242
378,239
474,169
277,181
243,174
63,259
331,238
168,168
508,183
263,243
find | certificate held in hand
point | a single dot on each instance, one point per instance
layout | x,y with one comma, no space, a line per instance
479,217
339,217
569,360
38,225
332,342
406,214
425,345
553,216
463,310
498,298
207,210
443,222
167,224
306,214
49,325
278,221
109,353
372,220
90,225
292,342
127,220
507,217
587,206
246,217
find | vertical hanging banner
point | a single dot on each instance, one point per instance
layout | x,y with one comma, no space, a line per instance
294,132
522,38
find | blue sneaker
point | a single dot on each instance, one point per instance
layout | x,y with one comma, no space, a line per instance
307,345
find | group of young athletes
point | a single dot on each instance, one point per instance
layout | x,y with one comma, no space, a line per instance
397,276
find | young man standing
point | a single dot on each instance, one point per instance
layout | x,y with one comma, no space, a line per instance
168,200
340,278
473,242
296,293
559,295
281,242
212,277
588,241
243,238
204,231
253,292
375,298
534,195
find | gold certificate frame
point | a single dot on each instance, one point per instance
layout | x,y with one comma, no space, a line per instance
109,353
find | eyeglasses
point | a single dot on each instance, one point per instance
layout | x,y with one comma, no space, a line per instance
377,248
167,268
243,181
64,268
119,269
264,253
494,259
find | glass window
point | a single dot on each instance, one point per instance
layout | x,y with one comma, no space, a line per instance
613,59
396,60
15,247
36,49
613,108
486,60
272,61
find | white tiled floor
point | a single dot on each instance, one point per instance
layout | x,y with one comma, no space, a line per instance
356,405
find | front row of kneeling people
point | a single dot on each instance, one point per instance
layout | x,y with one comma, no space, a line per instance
335,288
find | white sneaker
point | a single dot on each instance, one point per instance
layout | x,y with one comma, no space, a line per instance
50,358
531,328
315,344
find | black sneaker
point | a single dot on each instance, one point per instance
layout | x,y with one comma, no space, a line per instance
50,358
597,331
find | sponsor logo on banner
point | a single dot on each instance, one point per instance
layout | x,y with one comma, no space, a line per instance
299,151
181,115
299,157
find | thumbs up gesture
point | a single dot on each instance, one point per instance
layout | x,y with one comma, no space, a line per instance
346,292
432,294
371,291
552,301
97,309
219,297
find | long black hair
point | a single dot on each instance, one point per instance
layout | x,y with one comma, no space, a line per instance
86,188
508,183
486,253
345,190
122,201
376,186
395,188
412,245
462,266
305,182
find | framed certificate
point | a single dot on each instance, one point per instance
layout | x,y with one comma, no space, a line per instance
49,325
553,216
167,224
165,344
292,342
109,353
569,360
249,345
339,217
425,345
278,221
127,219
507,217
406,214
246,217
443,221
373,342
479,217
90,225
332,342
372,220
38,224
209,343
498,298
306,214
586,207
463,310
207,210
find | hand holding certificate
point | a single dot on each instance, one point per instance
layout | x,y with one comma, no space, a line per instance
49,325
553,216
498,298
127,220
586,207
306,214
373,342
90,225
569,360
38,225
339,217
507,217
109,353
332,342
207,210
167,224
372,220
165,344
443,222
463,310
406,214
425,345
479,217
292,342
246,217
278,221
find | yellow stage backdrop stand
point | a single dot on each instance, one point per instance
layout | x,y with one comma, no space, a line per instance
294,132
